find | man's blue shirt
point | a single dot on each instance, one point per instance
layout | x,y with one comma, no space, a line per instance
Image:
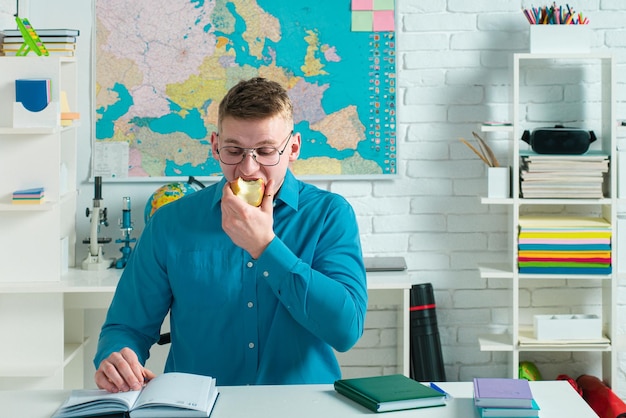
273,320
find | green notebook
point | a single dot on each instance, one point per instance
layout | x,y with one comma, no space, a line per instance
389,393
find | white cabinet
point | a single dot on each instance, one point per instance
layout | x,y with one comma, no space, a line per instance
576,90
37,241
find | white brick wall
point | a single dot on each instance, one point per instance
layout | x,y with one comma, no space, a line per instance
453,73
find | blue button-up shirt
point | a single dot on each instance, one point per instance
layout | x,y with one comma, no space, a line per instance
271,320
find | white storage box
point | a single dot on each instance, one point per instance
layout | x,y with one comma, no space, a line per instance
560,39
567,327
49,117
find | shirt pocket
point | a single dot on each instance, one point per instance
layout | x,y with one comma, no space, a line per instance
205,280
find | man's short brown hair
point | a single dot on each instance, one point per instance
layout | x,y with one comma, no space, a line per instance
256,98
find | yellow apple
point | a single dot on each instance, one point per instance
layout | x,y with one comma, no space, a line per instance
250,191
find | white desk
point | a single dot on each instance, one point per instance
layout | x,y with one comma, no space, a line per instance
556,399
94,290
394,288
81,290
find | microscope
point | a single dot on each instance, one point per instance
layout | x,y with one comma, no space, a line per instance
95,259
127,228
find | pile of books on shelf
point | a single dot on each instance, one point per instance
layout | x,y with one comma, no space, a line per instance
28,196
504,397
58,42
563,176
564,245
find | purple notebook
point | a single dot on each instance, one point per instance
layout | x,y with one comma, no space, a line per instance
502,393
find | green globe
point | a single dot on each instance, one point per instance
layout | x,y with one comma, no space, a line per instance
166,194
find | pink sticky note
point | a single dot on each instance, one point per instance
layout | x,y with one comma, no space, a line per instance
362,4
384,20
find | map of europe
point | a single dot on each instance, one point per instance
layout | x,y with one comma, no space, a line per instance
162,66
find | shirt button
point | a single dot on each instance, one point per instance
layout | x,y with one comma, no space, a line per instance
250,264
250,345
266,274
250,304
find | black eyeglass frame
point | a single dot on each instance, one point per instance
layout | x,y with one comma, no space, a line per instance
252,151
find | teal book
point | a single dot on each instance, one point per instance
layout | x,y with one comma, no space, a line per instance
562,247
565,270
531,412
389,393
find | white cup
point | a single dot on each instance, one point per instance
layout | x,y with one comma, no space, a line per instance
498,183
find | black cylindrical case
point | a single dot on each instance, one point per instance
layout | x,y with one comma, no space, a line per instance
425,347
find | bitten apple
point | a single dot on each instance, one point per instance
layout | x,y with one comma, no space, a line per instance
250,191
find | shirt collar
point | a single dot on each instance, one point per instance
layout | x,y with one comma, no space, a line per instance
289,192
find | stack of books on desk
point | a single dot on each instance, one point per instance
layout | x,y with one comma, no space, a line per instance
389,392
564,245
28,196
504,397
563,176
58,42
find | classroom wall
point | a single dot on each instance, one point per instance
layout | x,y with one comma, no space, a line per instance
452,74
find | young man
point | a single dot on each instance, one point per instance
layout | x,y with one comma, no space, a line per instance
256,295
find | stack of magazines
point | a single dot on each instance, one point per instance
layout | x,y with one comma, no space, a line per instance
563,176
564,245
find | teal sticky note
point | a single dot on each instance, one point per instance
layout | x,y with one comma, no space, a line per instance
362,21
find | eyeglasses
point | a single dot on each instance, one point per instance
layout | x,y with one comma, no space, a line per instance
265,155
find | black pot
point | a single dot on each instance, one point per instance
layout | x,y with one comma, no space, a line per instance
559,140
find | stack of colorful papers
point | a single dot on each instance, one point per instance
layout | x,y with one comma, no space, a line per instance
564,245
28,196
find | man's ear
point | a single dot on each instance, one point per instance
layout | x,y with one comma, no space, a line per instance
294,148
214,145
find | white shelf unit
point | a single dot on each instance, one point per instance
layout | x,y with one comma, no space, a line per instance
584,87
37,241
31,245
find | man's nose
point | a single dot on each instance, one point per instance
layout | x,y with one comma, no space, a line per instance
249,158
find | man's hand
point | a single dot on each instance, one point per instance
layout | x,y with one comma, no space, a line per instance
251,228
121,372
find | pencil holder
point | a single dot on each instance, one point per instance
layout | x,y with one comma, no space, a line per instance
498,183
560,39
